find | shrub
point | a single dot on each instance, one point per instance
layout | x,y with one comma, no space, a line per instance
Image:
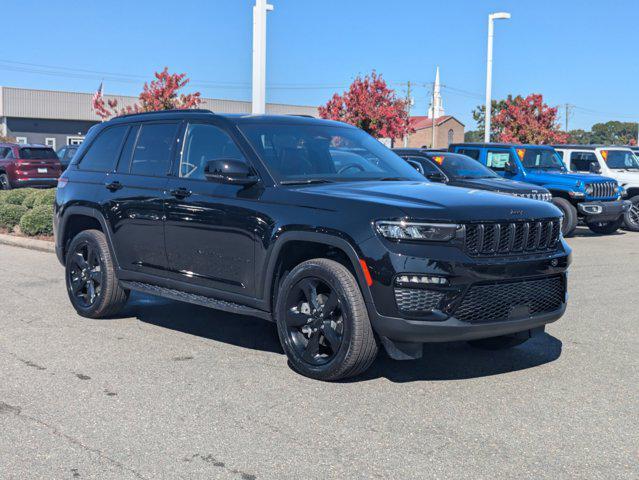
38,221
29,200
17,196
45,197
10,215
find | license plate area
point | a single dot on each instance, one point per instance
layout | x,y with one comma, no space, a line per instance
42,170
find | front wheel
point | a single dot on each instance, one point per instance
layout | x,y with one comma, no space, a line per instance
606,228
631,217
323,323
569,223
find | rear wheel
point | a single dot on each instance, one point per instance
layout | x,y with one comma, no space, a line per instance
569,223
606,228
4,182
631,217
90,276
323,323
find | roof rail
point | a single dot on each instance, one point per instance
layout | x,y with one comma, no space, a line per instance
174,110
300,115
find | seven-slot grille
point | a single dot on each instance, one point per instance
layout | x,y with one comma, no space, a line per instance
493,239
603,189
499,302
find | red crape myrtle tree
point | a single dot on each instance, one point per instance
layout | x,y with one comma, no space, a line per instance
160,94
370,105
528,120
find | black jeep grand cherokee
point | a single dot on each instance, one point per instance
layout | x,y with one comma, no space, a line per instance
310,223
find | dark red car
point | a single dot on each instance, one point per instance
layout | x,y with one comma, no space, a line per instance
25,165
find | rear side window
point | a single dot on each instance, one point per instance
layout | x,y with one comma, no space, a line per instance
4,151
103,152
497,159
30,153
581,161
153,150
127,151
470,152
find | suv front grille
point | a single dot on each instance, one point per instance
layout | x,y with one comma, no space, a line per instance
417,300
544,197
500,302
494,239
603,189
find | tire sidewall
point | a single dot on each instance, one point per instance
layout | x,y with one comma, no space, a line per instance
5,184
570,215
299,273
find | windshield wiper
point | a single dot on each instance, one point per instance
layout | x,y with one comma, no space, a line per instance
392,179
307,181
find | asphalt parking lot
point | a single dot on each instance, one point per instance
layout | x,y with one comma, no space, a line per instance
177,391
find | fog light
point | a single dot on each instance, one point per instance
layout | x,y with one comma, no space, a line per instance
420,280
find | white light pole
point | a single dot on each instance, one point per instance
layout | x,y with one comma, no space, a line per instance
259,56
489,69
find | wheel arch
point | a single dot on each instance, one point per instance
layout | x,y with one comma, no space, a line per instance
293,247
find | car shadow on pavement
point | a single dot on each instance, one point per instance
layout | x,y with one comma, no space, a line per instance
440,361
583,231
238,330
458,361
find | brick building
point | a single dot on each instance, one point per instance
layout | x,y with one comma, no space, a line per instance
447,130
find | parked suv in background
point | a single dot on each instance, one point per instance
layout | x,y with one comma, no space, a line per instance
620,163
309,223
28,166
65,154
459,170
592,198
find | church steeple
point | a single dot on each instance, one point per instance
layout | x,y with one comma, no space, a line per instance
436,108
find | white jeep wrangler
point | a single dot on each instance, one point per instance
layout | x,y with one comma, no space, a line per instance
620,163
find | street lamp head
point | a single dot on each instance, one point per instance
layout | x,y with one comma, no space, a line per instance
500,16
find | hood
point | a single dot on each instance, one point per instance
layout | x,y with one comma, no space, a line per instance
431,201
498,184
630,177
567,179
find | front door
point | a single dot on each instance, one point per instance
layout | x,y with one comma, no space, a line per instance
210,227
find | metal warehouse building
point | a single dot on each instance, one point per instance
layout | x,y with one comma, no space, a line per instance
57,118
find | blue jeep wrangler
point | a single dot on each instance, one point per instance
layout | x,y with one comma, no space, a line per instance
592,198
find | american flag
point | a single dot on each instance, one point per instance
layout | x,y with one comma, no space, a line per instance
98,93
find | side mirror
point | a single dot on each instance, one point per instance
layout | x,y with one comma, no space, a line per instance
594,168
510,167
229,170
436,177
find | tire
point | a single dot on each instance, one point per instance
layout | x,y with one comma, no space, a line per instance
4,182
606,228
324,345
501,343
631,217
94,292
569,223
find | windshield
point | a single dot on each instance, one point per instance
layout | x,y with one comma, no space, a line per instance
29,153
308,153
542,158
461,166
620,159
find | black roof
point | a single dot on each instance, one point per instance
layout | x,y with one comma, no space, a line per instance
235,118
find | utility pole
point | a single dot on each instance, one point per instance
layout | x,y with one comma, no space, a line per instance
409,101
259,56
568,107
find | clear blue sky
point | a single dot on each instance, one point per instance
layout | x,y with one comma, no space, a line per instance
569,50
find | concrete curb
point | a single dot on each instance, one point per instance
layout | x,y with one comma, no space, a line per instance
30,243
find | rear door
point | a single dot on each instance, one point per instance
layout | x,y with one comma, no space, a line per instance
136,193
498,158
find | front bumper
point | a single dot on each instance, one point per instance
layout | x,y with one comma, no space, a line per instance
603,211
449,321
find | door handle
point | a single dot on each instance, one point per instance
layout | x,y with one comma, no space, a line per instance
180,192
114,186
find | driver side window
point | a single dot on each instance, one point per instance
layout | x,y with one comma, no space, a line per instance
202,143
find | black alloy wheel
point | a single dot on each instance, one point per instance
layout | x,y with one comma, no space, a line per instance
315,321
85,274
631,217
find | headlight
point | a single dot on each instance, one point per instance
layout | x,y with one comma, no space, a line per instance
589,189
435,232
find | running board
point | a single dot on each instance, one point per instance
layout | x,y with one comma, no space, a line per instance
195,299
